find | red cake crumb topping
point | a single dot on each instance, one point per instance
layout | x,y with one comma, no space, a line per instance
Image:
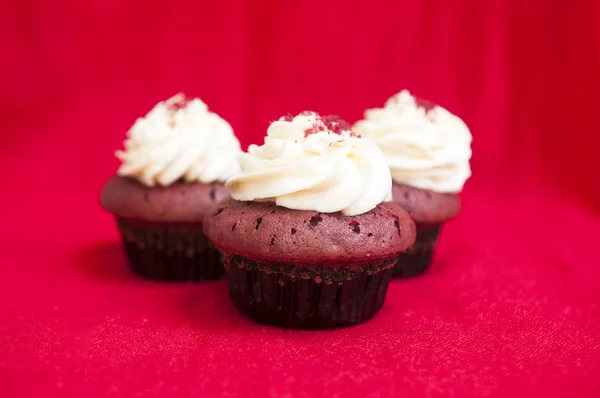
177,103
427,105
336,124
331,123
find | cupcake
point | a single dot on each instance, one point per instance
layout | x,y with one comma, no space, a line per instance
428,151
174,165
309,236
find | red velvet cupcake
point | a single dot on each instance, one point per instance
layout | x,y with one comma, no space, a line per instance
175,162
428,151
309,236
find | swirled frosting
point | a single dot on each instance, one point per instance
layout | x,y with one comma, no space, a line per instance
308,162
179,139
425,145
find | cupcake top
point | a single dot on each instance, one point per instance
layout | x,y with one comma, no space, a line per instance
180,139
179,203
264,231
309,162
426,146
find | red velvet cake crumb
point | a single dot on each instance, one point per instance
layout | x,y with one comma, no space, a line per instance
179,103
336,124
422,103
332,123
317,127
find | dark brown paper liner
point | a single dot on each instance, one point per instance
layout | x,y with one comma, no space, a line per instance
300,297
417,260
170,251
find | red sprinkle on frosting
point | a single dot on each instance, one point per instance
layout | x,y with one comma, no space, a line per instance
427,105
331,123
336,125
179,102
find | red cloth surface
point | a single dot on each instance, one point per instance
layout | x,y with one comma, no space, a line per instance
510,307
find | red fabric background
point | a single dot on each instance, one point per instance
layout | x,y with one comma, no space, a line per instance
511,304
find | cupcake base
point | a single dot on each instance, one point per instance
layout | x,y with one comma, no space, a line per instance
418,259
301,297
170,251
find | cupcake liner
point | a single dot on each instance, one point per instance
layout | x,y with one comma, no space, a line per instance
170,251
417,259
300,297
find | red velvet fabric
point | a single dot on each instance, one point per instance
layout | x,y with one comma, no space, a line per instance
510,307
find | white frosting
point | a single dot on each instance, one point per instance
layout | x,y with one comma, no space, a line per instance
324,171
179,139
425,149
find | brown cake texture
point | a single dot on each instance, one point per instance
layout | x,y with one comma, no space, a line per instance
429,210
161,227
425,206
268,232
180,202
306,269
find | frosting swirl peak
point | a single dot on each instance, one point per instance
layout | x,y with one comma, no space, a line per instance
309,162
425,146
179,139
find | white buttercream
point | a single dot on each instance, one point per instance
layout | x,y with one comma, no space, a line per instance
427,149
179,139
326,171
